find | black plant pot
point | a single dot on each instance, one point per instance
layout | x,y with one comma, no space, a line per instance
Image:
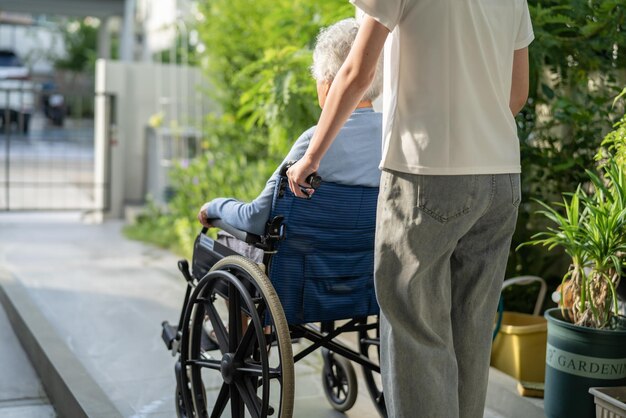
578,358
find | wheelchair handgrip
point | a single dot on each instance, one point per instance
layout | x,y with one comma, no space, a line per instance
244,236
313,179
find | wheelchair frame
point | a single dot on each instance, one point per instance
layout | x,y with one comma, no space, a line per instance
245,368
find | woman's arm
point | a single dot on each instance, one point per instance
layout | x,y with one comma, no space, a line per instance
251,217
519,85
348,87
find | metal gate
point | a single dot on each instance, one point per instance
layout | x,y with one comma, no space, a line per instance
47,152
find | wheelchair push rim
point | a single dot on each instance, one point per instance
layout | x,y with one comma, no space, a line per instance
243,359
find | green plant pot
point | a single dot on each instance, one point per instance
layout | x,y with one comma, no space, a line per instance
578,358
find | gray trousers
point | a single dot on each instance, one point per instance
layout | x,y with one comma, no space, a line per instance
441,253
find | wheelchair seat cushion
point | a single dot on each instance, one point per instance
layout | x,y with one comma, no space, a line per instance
324,268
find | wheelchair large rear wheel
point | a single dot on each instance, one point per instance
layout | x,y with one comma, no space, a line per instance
253,365
369,345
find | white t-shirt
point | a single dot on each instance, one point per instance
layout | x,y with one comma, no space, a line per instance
448,74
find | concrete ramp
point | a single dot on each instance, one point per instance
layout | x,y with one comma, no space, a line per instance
87,304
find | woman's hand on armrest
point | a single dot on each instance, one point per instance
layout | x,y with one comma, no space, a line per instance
202,216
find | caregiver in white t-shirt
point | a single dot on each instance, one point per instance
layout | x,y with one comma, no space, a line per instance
456,73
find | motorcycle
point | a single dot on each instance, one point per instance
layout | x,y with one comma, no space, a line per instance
55,109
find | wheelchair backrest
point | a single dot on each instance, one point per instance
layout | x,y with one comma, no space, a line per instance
323,270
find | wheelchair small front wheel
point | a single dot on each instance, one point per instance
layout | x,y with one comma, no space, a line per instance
339,381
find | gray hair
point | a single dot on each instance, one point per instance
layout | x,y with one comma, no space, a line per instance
331,50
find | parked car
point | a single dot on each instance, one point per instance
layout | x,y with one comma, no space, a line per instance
17,96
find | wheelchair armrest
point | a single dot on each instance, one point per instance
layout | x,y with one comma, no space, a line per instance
244,236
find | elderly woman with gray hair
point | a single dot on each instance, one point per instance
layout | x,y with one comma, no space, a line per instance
353,157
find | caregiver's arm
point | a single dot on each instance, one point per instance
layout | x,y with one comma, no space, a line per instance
519,84
346,91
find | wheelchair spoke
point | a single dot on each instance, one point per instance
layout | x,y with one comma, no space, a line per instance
237,409
341,389
260,310
234,318
220,402
207,364
248,393
246,347
257,370
218,326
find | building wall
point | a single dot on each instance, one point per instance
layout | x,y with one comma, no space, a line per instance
143,92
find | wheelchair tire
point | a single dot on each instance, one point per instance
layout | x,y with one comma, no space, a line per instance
181,411
339,381
369,346
248,373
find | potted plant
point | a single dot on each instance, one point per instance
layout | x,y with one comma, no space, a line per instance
587,337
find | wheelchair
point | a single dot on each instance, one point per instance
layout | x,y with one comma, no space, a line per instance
314,284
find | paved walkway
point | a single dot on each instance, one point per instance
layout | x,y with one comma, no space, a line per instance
106,296
21,393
